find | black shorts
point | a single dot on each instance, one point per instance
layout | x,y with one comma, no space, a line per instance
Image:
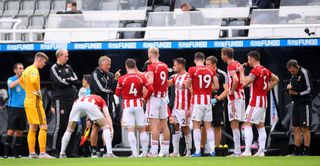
301,115
17,119
218,114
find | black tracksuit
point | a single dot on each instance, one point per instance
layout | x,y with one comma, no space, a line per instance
64,92
301,83
104,85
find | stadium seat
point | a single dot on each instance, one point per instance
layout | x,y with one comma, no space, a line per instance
1,7
6,25
162,9
23,25
42,7
110,5
132,35
27,7
58,5
91,5
238,32
37,21
11,8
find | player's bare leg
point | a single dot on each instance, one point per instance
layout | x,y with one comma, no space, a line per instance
248,138
306,140
94,140
217,135
164,129
262,139
236,137
297,140
176,141
154,128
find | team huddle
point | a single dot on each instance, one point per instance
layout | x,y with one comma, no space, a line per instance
200,94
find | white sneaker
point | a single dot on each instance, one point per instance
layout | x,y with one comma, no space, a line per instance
234,155
45,156
107,155
62,156
174,155
143,155
33,156
163,155
246,154
259,154
151,155
133,156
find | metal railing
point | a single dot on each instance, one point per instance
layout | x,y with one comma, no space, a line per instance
272,27
15,22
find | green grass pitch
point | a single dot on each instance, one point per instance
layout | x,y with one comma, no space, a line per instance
223,161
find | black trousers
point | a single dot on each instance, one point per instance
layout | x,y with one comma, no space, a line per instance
62,112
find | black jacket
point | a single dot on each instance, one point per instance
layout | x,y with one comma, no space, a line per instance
103,84
63,78
302,84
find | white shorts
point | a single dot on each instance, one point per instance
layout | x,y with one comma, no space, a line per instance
240,110
133,117
157,108
81,109
202,112
180,117
255,115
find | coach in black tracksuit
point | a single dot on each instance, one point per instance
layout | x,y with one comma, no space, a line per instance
300,89
103,83
64,93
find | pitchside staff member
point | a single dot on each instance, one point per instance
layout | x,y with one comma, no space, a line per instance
17,120
300,88
219,99
63,78
102,83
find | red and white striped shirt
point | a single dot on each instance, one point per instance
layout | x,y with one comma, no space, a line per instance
130,87
182,94
94,99
233,71
259,88
202,80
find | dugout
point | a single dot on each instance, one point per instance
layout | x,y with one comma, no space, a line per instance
275,58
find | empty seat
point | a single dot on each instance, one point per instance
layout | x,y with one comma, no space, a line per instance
237,32
24,22
110,5
1,7
6,25
37,21
42,7
132,34
91,5
27,7
11,8
162,9
58,5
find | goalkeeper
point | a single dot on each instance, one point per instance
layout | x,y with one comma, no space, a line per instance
30,82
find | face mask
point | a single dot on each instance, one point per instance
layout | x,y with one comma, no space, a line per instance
69,9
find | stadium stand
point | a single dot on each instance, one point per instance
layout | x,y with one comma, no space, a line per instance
25,21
